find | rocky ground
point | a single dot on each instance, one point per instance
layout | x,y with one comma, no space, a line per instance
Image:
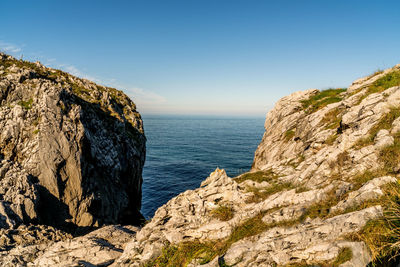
323,191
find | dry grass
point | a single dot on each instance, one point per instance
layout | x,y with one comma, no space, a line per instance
259,194
390,156
332,118
322,209
345,254
382,236
223,212
331,139
182,254
289,135
384,123
259,176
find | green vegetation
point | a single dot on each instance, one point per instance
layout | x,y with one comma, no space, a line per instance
382,236
331,139
260,194
332,118
185,252
301,189
384,123
259,176
322,99
345,254
321,209
390,156
296,162
389,80
79,90
223,212
289,135
26,104
36,131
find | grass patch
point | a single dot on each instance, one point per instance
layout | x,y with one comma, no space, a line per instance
260,194
79,90
384,123
223,212
26,104
359,180
296,162
389,80
184,253
345,254
332,119
321,209
302,189
36,131
390,156
258,176
382,236
289,135
322,99
331,139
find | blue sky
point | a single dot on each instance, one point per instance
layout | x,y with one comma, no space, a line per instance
206,57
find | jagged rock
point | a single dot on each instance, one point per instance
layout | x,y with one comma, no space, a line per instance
27,243
312,242
71,151
326,180
370,190
99,248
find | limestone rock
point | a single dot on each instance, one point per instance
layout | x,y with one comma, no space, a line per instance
99,248
71,151
322,165
311,242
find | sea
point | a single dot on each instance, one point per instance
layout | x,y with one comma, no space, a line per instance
183,150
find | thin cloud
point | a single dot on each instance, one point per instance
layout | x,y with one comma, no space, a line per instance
145,97
75,71
9,47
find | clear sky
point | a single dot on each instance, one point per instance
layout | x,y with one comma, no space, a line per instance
224,57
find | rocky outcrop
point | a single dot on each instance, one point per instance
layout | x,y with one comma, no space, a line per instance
71,151
323,183
321,175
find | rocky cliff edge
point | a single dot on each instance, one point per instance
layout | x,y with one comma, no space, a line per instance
323,191
71,151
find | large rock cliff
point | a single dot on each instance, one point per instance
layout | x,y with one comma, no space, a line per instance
71,151
323,191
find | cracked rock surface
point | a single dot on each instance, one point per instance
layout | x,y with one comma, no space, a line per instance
319,176
71,151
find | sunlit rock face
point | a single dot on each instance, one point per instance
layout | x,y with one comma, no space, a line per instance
323,181
71,151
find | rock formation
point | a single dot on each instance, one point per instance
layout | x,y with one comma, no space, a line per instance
323,191
71,151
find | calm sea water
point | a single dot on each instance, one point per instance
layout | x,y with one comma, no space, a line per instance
182,151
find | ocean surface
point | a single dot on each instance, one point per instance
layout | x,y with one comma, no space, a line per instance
183,150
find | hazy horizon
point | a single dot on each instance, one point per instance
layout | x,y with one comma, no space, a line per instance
219,58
